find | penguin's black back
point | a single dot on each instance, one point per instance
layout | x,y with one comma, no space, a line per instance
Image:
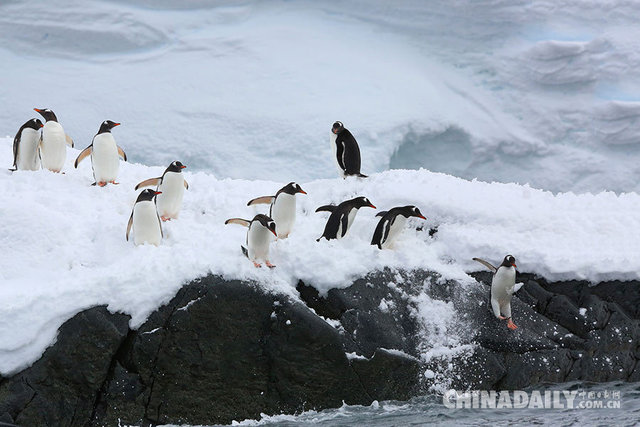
351,154
340,214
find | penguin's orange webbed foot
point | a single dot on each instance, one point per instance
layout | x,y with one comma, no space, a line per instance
165,218
256,265
511,325
114,182
269,264
102,183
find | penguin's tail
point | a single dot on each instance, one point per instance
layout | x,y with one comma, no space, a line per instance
382,213
13,168
244,251
361,175
326,208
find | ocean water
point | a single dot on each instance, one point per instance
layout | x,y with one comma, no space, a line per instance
430,410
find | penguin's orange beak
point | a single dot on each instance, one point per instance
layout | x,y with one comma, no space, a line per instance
514,264
182,167
302,191
158,192
274,232
37,109
421,216
116,124
41,125
371,206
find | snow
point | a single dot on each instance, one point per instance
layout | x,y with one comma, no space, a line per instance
512,91
64,245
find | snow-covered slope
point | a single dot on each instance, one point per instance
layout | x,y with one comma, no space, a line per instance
64,245
514,91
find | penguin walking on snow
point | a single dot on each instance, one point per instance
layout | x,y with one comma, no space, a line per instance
144,220
342,217
105,155
391,225
53,142
503,286
345,151
25,146
261,227
283,207
171,186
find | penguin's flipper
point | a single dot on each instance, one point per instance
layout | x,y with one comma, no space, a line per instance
345,222
69,140
148,182
245,251
160,225
239,221
326,208
122,154
382,213
340,155
486,264
377,234
83,154
264,200
186,184
129,225
16,142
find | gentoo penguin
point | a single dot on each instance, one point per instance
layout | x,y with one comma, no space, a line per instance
283,207
258,237
503,286
345,151
172,185
391,224
25,146
342,217
144,220
53,142
105,155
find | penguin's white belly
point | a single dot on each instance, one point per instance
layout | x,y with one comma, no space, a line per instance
146,226
28,158
334,148
258,241
53,151
104,158
502,284
170,201
395,229
283,212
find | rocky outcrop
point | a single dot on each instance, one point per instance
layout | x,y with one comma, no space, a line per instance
229,350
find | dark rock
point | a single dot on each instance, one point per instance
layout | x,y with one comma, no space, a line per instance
529,369
401,373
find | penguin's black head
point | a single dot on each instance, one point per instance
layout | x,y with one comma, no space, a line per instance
267,223
509,261
176,167
362,202
292,188
411,210
34,124
107,125
147,194
337,127
48,115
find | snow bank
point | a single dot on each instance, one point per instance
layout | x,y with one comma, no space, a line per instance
513,91
64,245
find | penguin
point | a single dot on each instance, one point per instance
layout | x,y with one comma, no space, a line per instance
391,225
144,220
25,146
345,151
283,207
342,217
258,238
105,155
503,286
171,185
53,142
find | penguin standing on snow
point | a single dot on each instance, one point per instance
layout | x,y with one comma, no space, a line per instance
144,220
503,286
391,225
283,207
342,217
53,142
25,146
105,155
258,238
345,151
171,186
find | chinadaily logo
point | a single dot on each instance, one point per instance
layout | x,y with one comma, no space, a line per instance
547,399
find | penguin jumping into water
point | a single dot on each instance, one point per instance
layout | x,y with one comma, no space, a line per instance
171,186
391,225
105,155
144,220
345,151
258,238
53,142
25,146
342,217
283,207
503,286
